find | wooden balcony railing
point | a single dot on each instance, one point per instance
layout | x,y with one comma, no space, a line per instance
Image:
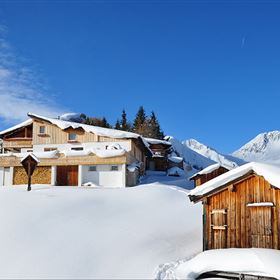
17,143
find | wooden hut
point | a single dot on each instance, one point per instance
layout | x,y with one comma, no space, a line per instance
209,173
241,208
161,149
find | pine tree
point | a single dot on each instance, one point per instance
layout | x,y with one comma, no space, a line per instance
118,125
153,129
139,123
124,124
104,123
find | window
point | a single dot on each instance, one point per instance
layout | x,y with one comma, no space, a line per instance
114,168
42,130
92,168
72,136
29,151
77,149
49,149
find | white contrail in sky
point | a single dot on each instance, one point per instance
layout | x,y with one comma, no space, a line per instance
243,42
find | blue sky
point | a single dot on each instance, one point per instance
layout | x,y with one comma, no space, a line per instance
210,70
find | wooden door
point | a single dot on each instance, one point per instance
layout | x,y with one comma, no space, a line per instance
67,175
219,228
261,227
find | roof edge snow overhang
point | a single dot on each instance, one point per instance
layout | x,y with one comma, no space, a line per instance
197,198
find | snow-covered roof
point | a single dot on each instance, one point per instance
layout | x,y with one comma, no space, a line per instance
15,127
107,132
157,141
270,172
101,131
30,155
210,169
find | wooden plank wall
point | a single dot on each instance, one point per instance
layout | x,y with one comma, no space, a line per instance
235,199
201,179
55,135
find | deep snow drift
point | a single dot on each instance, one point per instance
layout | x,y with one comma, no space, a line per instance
70,232
254,261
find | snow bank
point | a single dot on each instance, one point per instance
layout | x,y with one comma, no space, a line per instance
270,172
254,261
70,232
176,171
38,155
73,153
109,153
175,159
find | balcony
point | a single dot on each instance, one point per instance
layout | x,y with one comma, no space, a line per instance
17,143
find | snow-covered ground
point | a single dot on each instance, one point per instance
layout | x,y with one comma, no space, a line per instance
70,232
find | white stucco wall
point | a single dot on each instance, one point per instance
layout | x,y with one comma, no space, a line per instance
1,176
6,176
103,176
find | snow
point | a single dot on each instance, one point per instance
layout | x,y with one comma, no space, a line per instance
109,153
30,155
226,161
91,184
157,141
264,262
175,159
210,169
76,117
190,157
265,147
114,146
133,166
107,132
260,204
176,171
73,153
49,154
70,232
270,172
22,124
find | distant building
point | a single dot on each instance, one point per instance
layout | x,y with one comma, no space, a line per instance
72,153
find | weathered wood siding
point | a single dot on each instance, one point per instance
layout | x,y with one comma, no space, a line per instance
41,175
201,179
242,226
55,135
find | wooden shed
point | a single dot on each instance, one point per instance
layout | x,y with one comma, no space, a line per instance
241,208
209,173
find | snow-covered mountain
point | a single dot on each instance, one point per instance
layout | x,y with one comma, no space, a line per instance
198,156
265,147
210,153
191,157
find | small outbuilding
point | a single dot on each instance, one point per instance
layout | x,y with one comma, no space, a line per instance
241,208
209,173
